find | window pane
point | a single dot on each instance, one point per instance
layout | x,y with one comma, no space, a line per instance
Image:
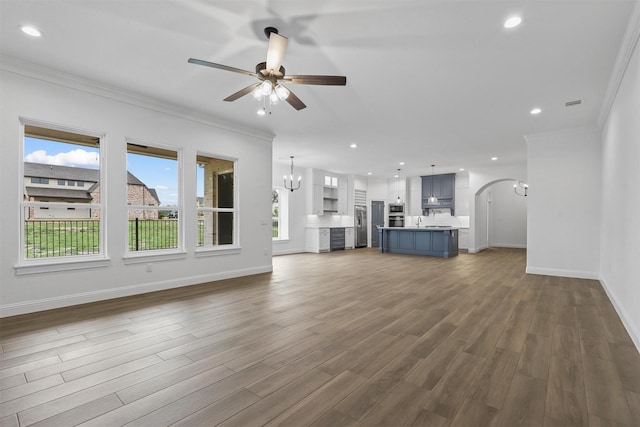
215,187
215,229
152,192
275,207
215,195
60,221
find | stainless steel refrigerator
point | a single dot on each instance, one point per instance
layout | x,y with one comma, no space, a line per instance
360,224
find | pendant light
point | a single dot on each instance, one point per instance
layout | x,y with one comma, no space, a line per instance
433,200
398,201
289,185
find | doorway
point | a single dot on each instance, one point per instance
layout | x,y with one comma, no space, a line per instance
377,220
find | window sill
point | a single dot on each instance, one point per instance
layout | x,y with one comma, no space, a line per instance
205,252
49,266
139,258
283,240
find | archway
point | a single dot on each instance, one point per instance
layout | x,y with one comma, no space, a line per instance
499,216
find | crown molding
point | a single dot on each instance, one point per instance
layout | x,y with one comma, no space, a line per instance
627,48
541,136
50,75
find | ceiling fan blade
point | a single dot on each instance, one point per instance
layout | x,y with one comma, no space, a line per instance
295,102
242,92
275,51
317,80
221,67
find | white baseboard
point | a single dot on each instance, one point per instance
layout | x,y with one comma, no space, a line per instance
508,245
15,309
288,251
622,314
563,273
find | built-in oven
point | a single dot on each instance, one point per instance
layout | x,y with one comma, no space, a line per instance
396,214
396,221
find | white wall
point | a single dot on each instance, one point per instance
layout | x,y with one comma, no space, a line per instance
620,207
296,241
507,216
564,203
61,100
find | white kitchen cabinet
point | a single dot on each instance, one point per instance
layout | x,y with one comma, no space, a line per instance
329,193
463,238
348,238
318,239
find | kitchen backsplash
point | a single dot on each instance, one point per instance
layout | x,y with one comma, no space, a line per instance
438,219
329,221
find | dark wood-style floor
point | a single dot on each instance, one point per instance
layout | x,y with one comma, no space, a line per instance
339,339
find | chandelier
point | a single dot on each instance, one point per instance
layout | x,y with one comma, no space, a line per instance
289,185
522,186
270,93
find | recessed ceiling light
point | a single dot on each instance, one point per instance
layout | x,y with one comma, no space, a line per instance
31,31
395,176
401,163
494,158
461,169
369,173
536,111
354,145
512,22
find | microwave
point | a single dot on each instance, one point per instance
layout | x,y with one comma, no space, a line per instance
397,208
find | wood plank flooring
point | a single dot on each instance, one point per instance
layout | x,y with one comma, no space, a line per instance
340,339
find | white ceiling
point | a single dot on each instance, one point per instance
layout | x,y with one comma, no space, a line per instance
428,82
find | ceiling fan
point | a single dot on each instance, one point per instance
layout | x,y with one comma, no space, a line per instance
271,74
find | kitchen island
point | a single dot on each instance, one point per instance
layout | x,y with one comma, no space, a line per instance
432,241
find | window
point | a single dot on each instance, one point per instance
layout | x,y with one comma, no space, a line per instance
71,183
56,222
215,200
152,190
280,213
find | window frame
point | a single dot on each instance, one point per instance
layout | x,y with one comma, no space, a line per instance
235,246
71,262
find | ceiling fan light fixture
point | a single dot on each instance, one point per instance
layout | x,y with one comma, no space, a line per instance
282,92
273,97
257,93
266,87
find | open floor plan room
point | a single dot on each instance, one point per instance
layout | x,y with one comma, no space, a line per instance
338,339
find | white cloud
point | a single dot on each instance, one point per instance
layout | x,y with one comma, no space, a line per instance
161,187
76,157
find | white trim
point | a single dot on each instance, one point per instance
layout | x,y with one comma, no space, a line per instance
38,72
508,245
63,265
563,273
15,309
627,47
622,314
543,136
153,255
217,250
289,251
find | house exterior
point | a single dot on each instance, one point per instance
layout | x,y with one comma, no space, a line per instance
65,184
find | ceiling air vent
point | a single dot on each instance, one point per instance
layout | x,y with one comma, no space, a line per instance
570,103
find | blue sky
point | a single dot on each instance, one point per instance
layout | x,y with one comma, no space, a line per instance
160,174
